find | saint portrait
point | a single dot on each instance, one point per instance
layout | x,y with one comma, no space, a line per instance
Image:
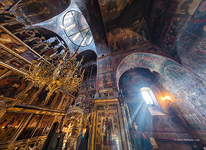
51,100
12,85
3,70
9,125
44,126
26,98
30,127
4,55
17,63
39,100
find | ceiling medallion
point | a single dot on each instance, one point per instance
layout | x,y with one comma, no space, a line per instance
60,73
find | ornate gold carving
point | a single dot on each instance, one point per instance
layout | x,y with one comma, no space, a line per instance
62,74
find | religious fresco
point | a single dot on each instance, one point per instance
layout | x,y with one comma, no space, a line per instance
58,100
64,103
121,39
40,98
28,96
17,63
104,65
144,60
51,100
29,56
105,80
3,70
4,55
38,10
112,8
30,127
44,126
9,124
12,85
11,43
107,128
133,80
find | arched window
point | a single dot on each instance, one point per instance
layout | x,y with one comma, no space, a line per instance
148,95
151,101
77,28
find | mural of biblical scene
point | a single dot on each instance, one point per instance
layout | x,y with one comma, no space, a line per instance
51,100
40,99
84,99
195,57
150,61
3,70
134,79
12,85
41,10
105,80
29,55
11,43
172,31
17,63
174,72
30,127
104,65
28,96
58,100
64,102
81,98
112,8
44,126
88,85
9,124
107,128
4,55
122,39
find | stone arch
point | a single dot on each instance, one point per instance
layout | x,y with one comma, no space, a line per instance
161,64
177,79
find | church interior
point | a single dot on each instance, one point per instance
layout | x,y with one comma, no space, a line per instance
102,74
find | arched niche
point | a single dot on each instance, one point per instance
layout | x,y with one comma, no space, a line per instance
149,61
89,56
184,85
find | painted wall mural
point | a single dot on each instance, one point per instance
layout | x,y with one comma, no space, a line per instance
105,80
122,39
104,65
29,95
144,60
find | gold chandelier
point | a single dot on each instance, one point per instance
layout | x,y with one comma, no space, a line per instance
60,73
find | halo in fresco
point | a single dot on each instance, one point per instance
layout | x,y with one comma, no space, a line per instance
77,28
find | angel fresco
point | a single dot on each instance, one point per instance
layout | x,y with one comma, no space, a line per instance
39,100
